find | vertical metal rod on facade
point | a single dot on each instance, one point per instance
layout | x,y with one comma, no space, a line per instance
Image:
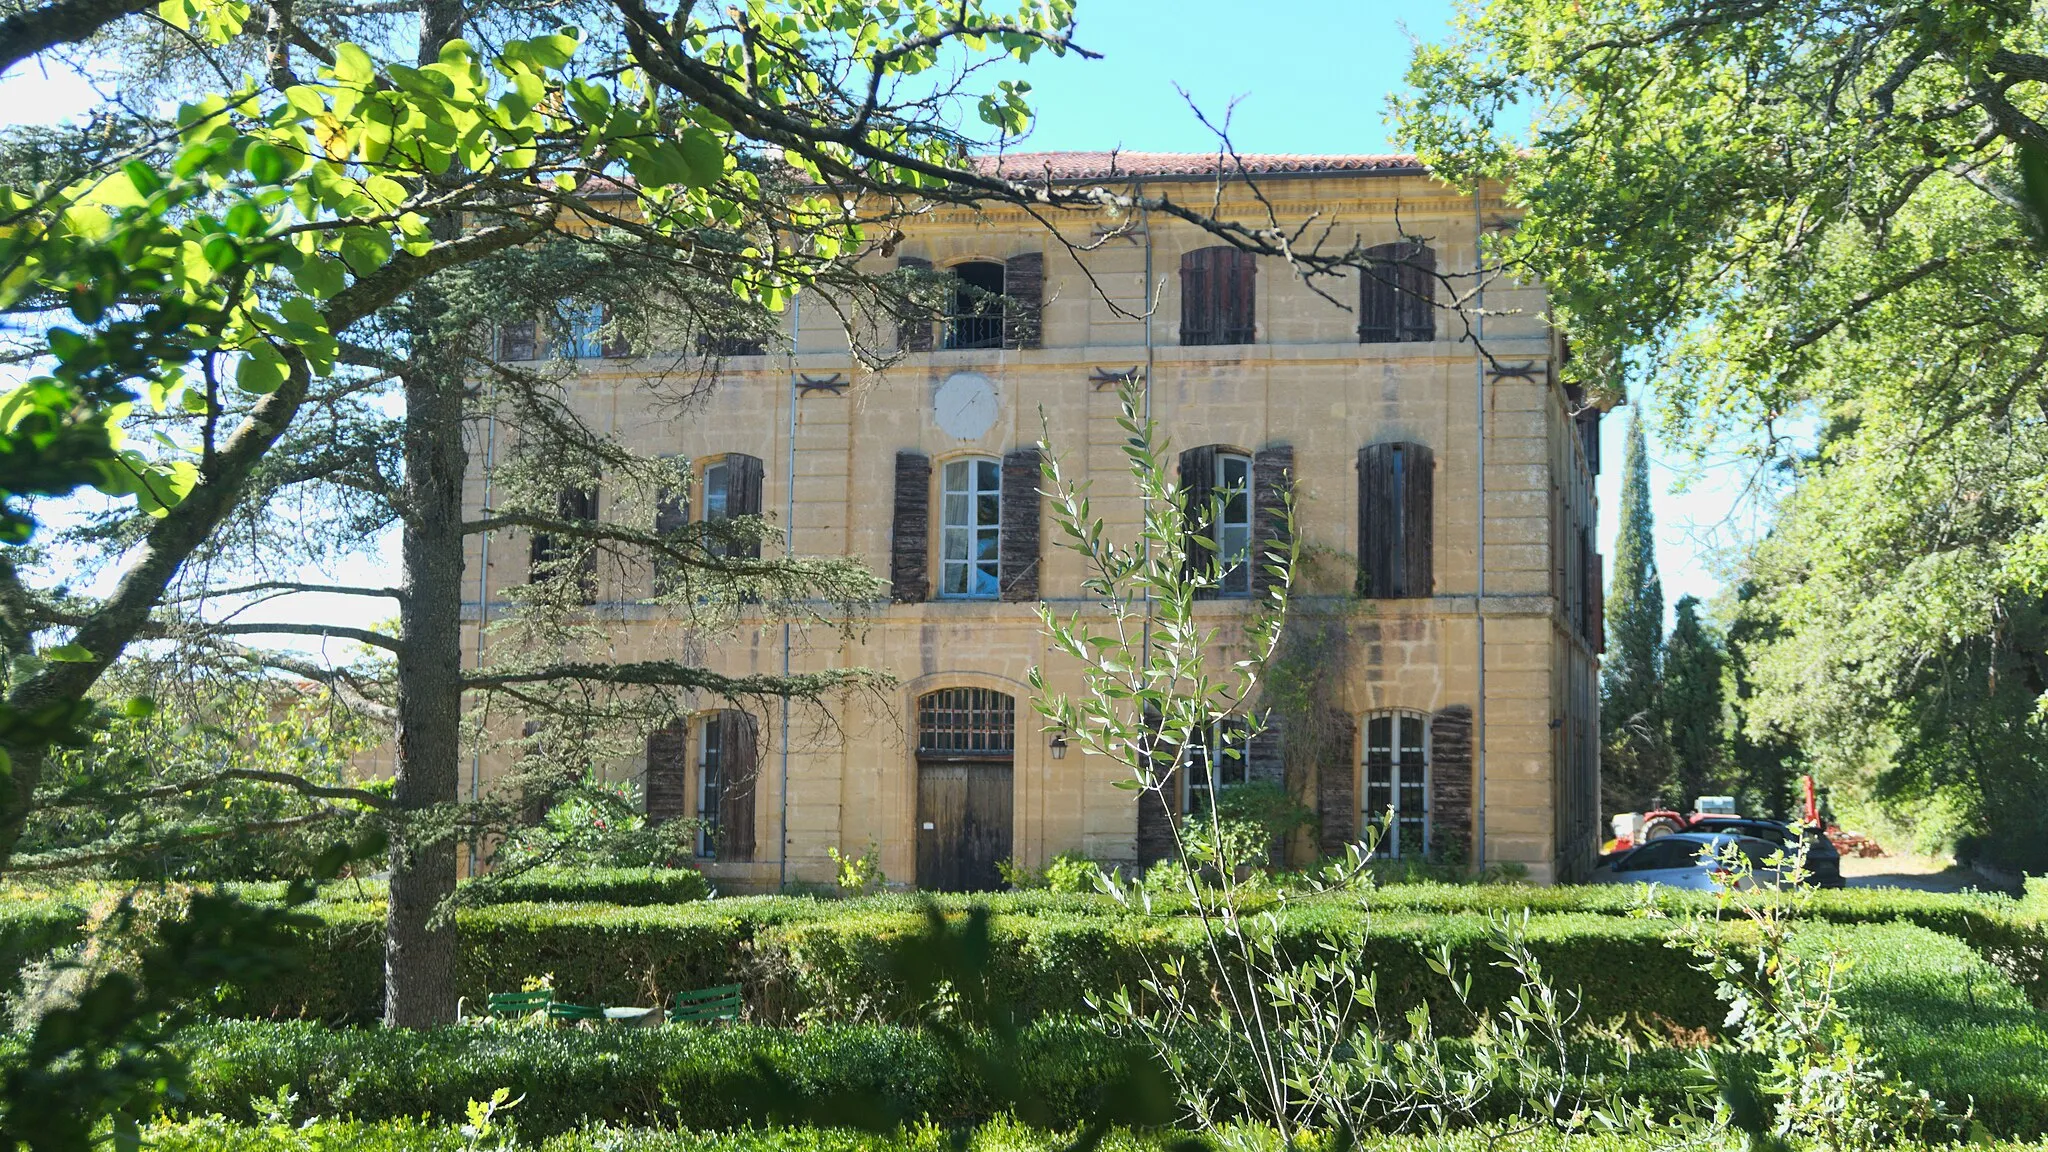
1479,601
796,328
483,593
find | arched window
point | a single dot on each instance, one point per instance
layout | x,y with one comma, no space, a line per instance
1397,778
966,722
1397,294
974,318
970,534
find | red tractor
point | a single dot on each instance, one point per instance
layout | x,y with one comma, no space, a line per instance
1717,813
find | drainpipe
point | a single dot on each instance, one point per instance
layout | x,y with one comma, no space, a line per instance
483,592
1151,303
788,553
1479,600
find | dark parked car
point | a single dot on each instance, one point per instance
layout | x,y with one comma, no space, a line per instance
1823,860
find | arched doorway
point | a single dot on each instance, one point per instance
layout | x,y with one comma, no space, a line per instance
966,748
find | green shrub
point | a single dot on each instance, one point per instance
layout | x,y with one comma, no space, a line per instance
629,886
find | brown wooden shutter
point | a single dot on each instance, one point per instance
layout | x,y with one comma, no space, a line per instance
738,765
1019,537
1450,783
1597,595
909,535
519,340
1024,300
1418,514
1377,517
914,323
1397,294
1272,476
743,495
1198,491
668,772
1237,321
1396,538
571,504
614,343
1197,298
1157,807
1336,791
1588,422
671,519
1418,294
1218,296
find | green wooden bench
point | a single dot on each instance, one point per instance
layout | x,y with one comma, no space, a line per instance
574,1013
514,1004
707,1005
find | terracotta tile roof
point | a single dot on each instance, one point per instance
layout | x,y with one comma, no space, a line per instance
1179,165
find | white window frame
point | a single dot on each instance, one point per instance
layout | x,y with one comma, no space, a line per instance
710,783
972,531
1235,770
1233,534
1404,765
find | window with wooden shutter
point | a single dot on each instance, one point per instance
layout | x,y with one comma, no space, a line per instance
519,340
1587,421
737,783
612,343
671,518
1020,515
910,529
1396,486
913,320
1272,476
1597,629
1397,294
1218,297
1024,300
732,488
551,552
1217,760
667,789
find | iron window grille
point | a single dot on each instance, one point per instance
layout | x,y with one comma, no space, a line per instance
962,722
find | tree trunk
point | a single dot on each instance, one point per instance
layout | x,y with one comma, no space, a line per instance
419,955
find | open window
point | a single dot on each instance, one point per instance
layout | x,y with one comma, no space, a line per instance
974,318
731,487
1216,483
553,553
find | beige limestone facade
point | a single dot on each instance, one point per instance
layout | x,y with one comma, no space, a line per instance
1493,663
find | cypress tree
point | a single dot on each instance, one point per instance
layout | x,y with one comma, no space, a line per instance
1693,663
1634,766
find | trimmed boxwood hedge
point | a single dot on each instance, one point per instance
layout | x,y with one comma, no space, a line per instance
807,958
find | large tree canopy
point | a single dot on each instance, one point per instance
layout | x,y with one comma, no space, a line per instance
1787,216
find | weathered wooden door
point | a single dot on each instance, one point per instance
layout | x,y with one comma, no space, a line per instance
963,823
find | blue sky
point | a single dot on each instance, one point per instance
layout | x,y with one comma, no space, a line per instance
1307,76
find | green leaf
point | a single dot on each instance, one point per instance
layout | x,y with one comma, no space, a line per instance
260,371
352,65
68,654
266,163
705,155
